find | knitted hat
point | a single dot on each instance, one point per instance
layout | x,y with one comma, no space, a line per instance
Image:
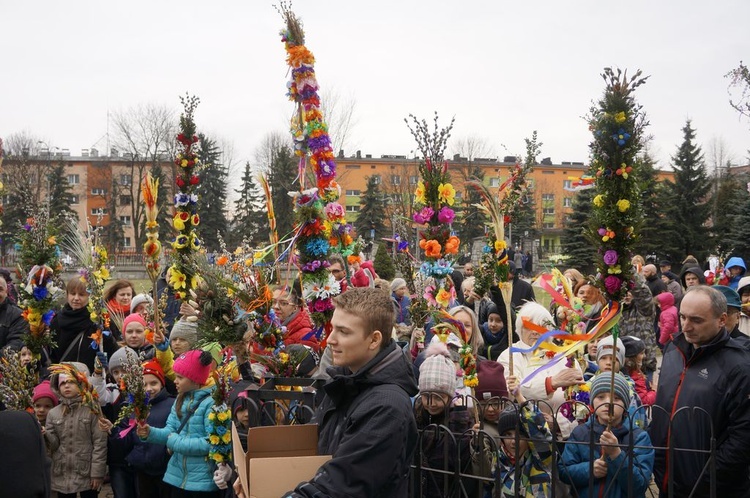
152,367
743,284
397,284
140,299
194,365
44,390
133,317
733,298
437,372
670,275
185,330
602,382
633,345
491,380
508,420
120,357
215,349
606,346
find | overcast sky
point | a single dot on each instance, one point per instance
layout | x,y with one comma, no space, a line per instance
502,68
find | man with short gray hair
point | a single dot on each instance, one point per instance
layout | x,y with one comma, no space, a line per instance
704,389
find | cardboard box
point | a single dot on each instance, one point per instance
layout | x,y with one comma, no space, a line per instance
277,459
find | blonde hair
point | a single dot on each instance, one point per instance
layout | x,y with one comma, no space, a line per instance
477,341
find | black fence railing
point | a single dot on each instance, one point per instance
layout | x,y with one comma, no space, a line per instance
460,454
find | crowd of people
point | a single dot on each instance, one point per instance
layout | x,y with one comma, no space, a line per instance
394,395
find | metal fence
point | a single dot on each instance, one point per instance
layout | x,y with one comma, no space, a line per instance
455,462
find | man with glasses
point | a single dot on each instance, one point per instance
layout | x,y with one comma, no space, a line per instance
337,269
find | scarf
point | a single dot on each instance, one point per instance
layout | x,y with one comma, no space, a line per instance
116,307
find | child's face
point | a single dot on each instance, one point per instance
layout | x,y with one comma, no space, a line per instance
117,374
745,296
639,359
179,345
465,318
600,404
184,385
42,406
152,384
490,409
735,270
141,309
495,323
135,335
605,363
509,444
401,292
435,403
243,417
68,387
26,356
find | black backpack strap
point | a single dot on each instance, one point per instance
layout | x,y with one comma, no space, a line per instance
187,418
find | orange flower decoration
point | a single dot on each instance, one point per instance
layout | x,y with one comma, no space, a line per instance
451,246
222,260
432,249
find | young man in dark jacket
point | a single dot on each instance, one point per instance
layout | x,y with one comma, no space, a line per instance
366,421
704,387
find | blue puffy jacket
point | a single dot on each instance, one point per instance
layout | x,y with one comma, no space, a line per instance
739,262
189,468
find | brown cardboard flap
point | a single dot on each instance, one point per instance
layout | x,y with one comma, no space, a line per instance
240,461
272,477
282,441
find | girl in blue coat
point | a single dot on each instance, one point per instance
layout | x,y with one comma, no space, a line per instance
189,472
609,459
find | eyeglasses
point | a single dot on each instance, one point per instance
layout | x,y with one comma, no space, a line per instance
280,303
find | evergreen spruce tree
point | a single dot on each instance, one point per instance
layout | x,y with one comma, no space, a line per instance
657,231
383,263
212,192
372,213
281,179
575,241
727,205
738,237
691,198
250,219
60,199
472,219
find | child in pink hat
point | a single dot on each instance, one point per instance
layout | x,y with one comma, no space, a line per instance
44,399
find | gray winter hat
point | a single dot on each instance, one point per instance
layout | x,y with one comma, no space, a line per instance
185,330
119,357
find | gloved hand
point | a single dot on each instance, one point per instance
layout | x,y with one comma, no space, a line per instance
222,475
102,357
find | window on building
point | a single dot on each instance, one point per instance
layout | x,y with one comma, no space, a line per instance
548,211
125,220
413,180
352,192
74,179
494,182
548,197
550,224
567,184
74,199
567,202
126,242
352,209
126,180
98,191
548,172
98,211
353,166
395,179
376,179
126,200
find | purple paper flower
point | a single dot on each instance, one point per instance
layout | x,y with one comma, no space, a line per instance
612,284
446,215
311,266
610,257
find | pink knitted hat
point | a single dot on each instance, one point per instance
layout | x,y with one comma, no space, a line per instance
133,317
44,390
194,365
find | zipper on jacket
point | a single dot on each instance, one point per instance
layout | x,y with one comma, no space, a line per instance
674,405
184,457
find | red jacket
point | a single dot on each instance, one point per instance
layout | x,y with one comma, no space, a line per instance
668,321
360,279
642,388
300,327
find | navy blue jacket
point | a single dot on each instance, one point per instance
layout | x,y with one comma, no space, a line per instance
152,459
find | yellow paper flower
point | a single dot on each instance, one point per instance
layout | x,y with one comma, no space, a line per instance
500,245
447,193
599,200
52,240
177,223
177,279
443,298
223,416
419,193
623,205
93,316
471,381
218,458
226,438
620,117
211,416
214,439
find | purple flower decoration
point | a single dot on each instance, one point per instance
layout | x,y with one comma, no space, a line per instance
427,213
446,215
312,266
612,284
610,257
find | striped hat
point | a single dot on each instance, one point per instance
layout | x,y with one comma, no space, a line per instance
602,382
